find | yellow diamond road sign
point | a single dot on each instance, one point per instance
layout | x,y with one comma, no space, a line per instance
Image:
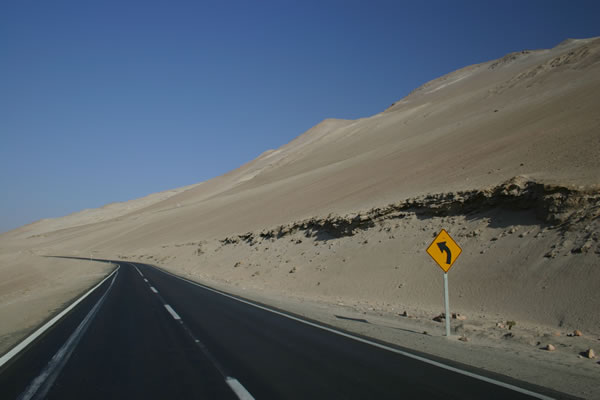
444,250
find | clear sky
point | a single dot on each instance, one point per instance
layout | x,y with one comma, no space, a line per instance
104,101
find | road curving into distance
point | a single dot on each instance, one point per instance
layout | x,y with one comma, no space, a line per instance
145,333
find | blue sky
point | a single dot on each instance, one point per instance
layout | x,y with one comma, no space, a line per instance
104,101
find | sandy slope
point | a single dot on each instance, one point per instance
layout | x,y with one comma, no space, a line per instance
532,115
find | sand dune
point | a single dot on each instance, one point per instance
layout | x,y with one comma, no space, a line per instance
524,127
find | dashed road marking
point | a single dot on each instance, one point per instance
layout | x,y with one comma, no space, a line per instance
369,342
172,312
139,272
238,389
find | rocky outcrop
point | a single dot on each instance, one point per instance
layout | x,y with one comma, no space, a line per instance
559,207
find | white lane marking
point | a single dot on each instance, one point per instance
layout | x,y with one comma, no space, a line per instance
44,381
145,280
139,272
18,348
172,312
235,385
375,344
238,389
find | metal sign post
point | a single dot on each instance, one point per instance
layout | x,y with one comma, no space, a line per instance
444,251
447,303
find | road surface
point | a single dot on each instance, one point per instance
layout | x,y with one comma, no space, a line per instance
146,334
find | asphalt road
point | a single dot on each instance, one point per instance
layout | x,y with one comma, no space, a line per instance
156,336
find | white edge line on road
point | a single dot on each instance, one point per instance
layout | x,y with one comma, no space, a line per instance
25,342
44,381
139,272
172,312
153,289
238,389
375,344
145,280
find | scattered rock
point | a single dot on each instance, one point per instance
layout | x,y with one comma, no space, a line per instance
589,353
500,325
583,247
549,347
463,339
459,317
577,332
474,233
292,270
509,335
440,318
403,314
550,254
237,264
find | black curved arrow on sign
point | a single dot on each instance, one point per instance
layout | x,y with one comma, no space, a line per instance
444,248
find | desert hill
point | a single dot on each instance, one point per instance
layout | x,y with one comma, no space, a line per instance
505,155
529,113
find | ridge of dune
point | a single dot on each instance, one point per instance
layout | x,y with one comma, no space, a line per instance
494,120
94,215
456,104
